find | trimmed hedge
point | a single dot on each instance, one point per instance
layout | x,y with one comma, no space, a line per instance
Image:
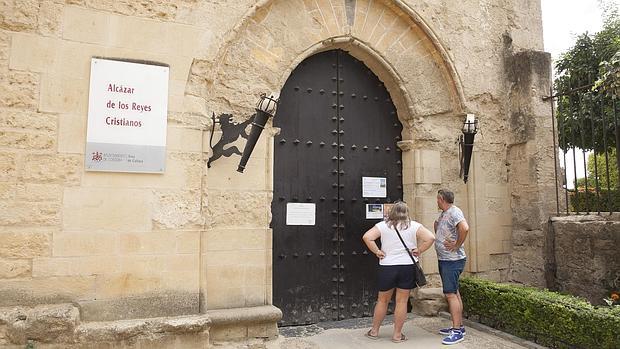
548,318
606,201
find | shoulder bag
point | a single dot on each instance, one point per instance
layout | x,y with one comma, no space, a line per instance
420,279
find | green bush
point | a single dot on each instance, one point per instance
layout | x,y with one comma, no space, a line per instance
548,318
606,201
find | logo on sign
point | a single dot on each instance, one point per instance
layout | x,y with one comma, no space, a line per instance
97,156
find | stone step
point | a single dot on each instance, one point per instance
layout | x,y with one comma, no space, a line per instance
428,301
61,324
122,330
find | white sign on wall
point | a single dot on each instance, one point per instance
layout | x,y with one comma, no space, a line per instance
127,117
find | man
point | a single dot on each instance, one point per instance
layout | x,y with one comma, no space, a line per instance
451,229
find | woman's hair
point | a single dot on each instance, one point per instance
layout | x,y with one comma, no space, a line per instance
399,215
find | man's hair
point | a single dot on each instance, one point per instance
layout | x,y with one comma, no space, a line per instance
446,195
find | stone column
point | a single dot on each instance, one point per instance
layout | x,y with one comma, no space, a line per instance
421,176
530,161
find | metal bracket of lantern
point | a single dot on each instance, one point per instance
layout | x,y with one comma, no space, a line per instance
265,108
466,144
231,131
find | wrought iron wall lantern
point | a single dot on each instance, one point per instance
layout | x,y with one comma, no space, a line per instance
466,144
265,108
231,131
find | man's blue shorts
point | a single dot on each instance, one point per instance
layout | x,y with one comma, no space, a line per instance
450,271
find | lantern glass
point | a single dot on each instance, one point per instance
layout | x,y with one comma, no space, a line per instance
471,124
268,103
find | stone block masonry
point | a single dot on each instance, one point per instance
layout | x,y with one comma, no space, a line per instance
62,324
583,256
193,240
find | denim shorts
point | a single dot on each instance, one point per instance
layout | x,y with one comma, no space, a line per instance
396,276
450,271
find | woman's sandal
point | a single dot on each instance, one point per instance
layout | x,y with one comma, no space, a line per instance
402,339
367,334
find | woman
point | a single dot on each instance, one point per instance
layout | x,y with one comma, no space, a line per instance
395,264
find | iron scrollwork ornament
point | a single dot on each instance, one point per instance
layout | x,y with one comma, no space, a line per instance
231,131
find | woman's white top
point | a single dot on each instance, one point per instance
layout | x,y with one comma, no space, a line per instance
395,253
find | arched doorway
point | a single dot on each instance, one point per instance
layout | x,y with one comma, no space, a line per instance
338,125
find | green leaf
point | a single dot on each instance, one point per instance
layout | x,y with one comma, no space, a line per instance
549,318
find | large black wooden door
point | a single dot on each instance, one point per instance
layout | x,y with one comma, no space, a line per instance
338,124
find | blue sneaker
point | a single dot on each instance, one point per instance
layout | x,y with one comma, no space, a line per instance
446,331
456,336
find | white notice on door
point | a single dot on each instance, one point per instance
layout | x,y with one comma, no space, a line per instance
374,211
300,214
374,187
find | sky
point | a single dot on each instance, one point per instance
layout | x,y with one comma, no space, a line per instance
563,21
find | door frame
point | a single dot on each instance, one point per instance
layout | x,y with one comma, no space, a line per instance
356,70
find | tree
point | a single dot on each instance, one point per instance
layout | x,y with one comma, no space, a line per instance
585,110
605,197
597,172
609,81
609,70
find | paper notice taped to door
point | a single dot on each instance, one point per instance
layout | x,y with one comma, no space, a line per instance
374,187
300,214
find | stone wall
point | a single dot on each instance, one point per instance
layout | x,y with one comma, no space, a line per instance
425,56
584,260
530,160
192,239
120,245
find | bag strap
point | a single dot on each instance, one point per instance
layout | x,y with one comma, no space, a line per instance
406,248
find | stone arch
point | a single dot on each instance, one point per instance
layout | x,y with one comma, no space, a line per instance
388,35
273,37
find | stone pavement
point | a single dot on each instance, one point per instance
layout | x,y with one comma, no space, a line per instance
422,333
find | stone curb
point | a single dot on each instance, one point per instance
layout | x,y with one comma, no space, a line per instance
483,328
261,314
113,331
613,216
